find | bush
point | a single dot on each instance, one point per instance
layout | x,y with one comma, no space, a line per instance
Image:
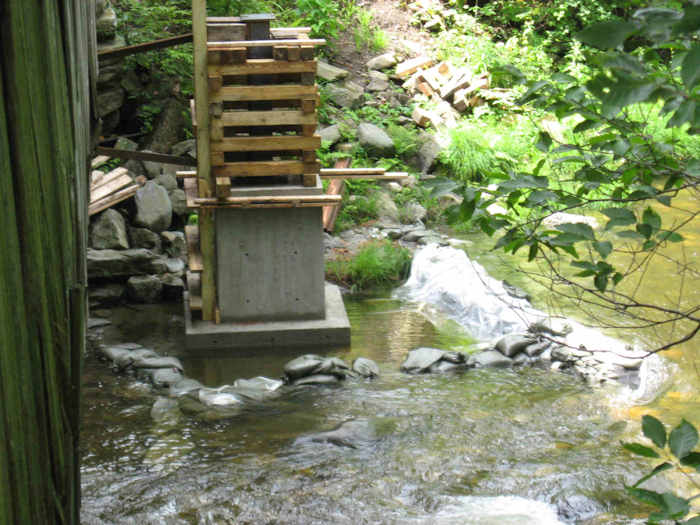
379,264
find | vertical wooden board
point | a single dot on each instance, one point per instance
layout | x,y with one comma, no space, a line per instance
308,105
207,237
307,53
279,53
294,53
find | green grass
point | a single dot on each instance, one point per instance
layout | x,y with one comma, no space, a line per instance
379,264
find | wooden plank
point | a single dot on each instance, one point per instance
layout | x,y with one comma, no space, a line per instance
267,118
411,66
148,156
259,93
223,188
111,200
351,171
191,191
267,143
264,66
336,187
309,180
99,161
226,46
289,32
260,199
385,177
194,257
216,82
109,177
206,184
308,106
147,46
262,168
294,53
225,32
112,186
194,289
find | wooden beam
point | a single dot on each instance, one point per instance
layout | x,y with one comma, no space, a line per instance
267,118
385,177
259,93
267,143
262,168
111,200
147,46
206,184
147,156
223,188
226,46
352,171
336,187
264,66
194,257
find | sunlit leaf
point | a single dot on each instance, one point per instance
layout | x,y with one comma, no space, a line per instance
683,439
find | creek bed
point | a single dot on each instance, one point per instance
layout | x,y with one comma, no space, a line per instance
486,446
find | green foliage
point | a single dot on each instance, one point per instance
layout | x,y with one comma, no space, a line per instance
366,35
676,450
359,204
323,16
612,159
379,264
405,139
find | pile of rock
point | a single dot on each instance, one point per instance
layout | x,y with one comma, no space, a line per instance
138,249
166,375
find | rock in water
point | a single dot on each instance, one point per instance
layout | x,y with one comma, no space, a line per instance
317,379
365,367
512,344
302,366
492,359
165,409
166,377
184,387
420,360
258,388
218,397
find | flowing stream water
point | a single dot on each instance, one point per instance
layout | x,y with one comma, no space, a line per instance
487,446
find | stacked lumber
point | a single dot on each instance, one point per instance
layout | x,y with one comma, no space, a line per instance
453,89
262,110
108,189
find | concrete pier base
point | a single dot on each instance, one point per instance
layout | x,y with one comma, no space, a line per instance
333,330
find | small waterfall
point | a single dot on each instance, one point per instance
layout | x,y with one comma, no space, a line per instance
461,289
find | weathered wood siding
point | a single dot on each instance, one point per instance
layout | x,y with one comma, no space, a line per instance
44,147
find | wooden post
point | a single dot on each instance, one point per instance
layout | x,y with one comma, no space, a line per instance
44,160
206,182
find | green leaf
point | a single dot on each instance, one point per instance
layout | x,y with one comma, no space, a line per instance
683,439
617,278
684,113
618,217
692,521
606,35
630,234
646,496
654,430
604,248
640,450
644,230
601,281
652,218
579,229
544,142
659,468
533,252
690,70
692,460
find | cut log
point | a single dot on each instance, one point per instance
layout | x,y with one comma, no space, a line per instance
411,66
424,118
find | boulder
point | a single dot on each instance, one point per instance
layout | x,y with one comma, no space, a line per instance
145,238
173,287
491,359
120,263
348,96
184,387
178,201
109,101
429,152
326,71
167,180
186,147
168,129
313,369
157,362
106,24
165,410
377,81
144,288
258,388
424,360
375,140
153,208
153,169
173,265
350,434
107,294
219,397
330,134
125,143
174,243
108,231
317,379
382,61
412,213
512,344
365,367
387,211
165,377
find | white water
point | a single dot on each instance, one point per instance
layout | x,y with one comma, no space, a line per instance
462,289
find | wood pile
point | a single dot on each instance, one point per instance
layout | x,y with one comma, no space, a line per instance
108,189
453,90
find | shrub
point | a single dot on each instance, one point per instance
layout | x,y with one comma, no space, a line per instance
379,264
